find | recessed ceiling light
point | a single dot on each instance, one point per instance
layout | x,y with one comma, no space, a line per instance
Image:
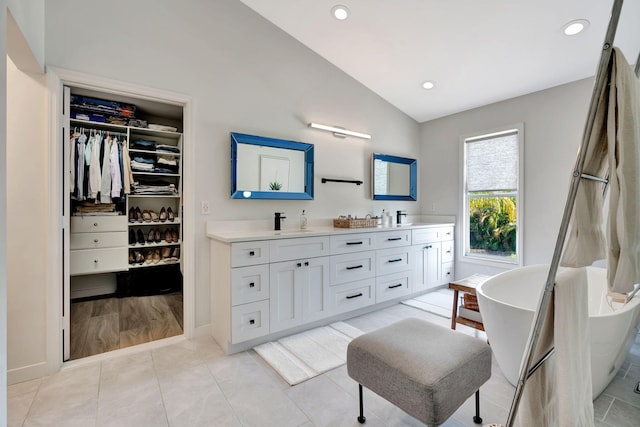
340,12
574,27
428,85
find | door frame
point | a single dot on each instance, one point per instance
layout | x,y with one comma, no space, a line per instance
57,78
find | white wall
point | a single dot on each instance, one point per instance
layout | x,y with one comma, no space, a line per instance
553,124
3,214
29,17
26,234
245,75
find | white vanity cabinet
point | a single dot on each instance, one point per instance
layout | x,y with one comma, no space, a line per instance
432,253
266,287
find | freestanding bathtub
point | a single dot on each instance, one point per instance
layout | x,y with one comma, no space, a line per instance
508,302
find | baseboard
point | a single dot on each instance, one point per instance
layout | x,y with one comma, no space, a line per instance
26,373
202,331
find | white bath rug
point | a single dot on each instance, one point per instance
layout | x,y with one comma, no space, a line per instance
439,302
308,354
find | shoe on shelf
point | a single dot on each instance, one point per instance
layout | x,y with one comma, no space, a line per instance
156,236
152,236
154,216
170,216
166,254
174,236
168,236
163,215
132,258
132,214
156,256
175,254
146,216
148,256
140,236
132,237
138,214
138,257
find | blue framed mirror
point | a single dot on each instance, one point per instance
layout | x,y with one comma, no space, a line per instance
394,178
270,168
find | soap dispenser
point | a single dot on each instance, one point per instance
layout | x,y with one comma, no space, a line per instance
303,221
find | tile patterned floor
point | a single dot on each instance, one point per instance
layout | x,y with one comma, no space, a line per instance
192,383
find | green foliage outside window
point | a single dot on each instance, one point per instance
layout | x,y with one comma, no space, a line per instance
492,225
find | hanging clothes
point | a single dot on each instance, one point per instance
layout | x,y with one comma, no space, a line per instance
127,173
114,170
105,187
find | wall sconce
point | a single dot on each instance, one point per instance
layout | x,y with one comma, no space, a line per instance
340,132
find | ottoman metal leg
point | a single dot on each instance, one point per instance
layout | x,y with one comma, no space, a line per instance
476,418
361,418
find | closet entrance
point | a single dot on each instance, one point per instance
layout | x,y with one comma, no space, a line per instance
123,160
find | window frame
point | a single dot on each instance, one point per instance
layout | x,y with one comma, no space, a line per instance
492,260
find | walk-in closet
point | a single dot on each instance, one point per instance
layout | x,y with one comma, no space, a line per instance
123,163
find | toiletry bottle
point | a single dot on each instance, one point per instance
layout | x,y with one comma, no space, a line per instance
303,221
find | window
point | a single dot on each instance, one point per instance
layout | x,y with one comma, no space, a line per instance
492,205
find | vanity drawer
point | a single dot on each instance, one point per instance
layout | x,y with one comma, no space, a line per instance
393,260
249,253
425,235
348,243
91,224
350,267
447,251
303,247
352,295
98,240
447,272
249,284
392,286
392,239
249,321
91,261
446,233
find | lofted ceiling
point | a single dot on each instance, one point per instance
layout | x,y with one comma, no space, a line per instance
477,52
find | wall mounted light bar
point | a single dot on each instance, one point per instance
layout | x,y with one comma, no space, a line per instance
339,132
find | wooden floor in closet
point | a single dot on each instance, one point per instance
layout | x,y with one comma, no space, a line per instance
102,325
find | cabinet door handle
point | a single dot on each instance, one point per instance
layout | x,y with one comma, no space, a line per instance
392,239
354,243
95,261
252,253
252,321
428,247
252,285
353,267
299,264
395,286
95,224
395,260
95,240
306,263
448,252
354,296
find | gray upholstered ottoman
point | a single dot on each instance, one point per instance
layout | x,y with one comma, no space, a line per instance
425,369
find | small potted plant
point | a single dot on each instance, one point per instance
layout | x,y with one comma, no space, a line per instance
275,186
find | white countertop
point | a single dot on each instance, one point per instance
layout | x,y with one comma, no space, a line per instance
224,231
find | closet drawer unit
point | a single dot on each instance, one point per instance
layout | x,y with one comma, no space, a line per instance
447,251
393,260
350,267
392,239
91,224
90,261
249,253
393,286
98,240
249,284
352,295
249,321
298,248
348,243
425,235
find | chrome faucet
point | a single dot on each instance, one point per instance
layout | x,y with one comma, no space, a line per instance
278,220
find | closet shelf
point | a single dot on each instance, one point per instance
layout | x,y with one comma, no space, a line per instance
154,245
155,174
159,196
136,266
155,224
163,153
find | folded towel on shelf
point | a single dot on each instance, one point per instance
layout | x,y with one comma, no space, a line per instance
613,152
